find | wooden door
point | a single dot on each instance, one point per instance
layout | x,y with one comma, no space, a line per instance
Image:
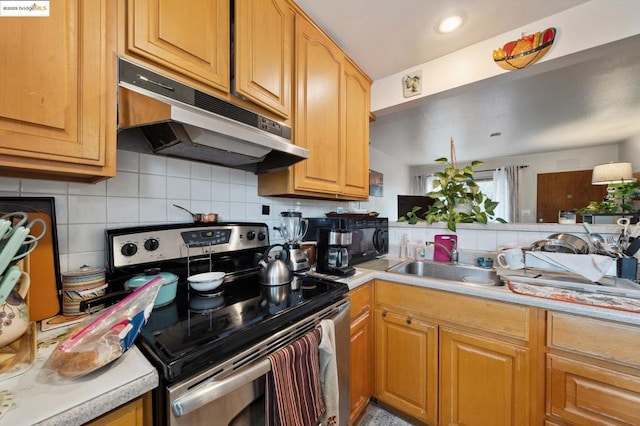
406,359
565,191
264,53
57,90
482,381
318,118
190,40
357,98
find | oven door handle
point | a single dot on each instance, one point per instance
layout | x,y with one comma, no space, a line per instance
214,389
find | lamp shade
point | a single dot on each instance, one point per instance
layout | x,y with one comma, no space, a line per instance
604,174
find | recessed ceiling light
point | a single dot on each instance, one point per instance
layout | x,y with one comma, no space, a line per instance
449,24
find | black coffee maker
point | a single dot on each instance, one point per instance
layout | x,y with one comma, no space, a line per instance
333,252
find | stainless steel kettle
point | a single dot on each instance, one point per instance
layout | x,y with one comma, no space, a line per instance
275,271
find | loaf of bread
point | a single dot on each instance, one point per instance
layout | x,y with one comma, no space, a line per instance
77,363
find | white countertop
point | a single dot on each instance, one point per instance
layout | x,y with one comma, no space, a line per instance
81,400
502,293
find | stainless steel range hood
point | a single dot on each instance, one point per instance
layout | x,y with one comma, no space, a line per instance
180,121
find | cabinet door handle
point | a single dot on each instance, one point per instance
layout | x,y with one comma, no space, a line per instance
409,319
384,314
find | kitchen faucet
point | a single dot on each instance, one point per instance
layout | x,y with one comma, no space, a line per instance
453,253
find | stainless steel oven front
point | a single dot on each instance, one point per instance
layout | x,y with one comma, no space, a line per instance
232,392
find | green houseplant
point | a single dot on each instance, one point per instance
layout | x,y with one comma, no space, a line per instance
458,198
619,200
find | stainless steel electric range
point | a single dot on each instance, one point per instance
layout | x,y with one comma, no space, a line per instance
210,349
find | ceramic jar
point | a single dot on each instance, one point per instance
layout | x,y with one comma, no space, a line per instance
14,313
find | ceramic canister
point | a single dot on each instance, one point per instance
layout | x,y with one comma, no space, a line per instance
82,284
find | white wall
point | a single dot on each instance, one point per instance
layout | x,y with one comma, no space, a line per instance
396,181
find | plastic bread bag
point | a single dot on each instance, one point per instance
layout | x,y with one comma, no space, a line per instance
101,338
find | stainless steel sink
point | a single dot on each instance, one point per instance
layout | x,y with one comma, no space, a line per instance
462,273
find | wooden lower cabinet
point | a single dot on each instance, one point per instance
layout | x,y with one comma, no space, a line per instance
134,413
451,359
593,371
361,387
407,364
482,381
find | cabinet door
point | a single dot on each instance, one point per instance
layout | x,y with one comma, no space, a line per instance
191,41
361,364
57,91
580,393
482,381
318,118
357,98
264,53
406,364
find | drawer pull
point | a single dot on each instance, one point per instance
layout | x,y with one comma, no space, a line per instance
409,319
384,314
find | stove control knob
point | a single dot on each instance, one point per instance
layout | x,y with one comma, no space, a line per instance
262,236
129,249
151,244
251,235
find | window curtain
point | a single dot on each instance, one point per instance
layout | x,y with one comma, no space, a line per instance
422,184
506,181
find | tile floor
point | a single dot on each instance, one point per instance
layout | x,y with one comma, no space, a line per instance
376,416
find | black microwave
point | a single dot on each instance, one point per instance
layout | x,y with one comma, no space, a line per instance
369,236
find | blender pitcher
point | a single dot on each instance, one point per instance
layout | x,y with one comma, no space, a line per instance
292,226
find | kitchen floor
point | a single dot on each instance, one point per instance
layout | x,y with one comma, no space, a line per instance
376,416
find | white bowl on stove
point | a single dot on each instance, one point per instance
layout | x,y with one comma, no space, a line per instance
206,281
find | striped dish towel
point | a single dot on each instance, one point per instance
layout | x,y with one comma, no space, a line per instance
293,393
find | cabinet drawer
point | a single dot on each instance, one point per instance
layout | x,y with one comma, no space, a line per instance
488,315
360,300
584,394
596,338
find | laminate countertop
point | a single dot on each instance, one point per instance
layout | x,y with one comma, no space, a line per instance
502,292
80,400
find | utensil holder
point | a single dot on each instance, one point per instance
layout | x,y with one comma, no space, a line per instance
627,267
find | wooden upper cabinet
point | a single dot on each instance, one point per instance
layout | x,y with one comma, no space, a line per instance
264,53
57,92
189,40
358,105
319,124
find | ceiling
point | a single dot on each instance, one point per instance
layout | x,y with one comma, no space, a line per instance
589,100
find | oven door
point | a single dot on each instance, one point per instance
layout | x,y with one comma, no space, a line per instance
233,393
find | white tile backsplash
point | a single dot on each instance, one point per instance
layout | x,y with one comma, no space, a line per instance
43,186
99,188
178,168
9,184
87,209
127,161
220,174
122,210
201,171
237,193
178,187
153,186
201,190
123,184
220,191
153,164
85,238
153,210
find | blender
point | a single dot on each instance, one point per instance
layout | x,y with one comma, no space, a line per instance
293,228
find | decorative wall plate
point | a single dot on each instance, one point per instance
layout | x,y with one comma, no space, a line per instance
525,51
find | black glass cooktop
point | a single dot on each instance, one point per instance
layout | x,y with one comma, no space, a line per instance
197,331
